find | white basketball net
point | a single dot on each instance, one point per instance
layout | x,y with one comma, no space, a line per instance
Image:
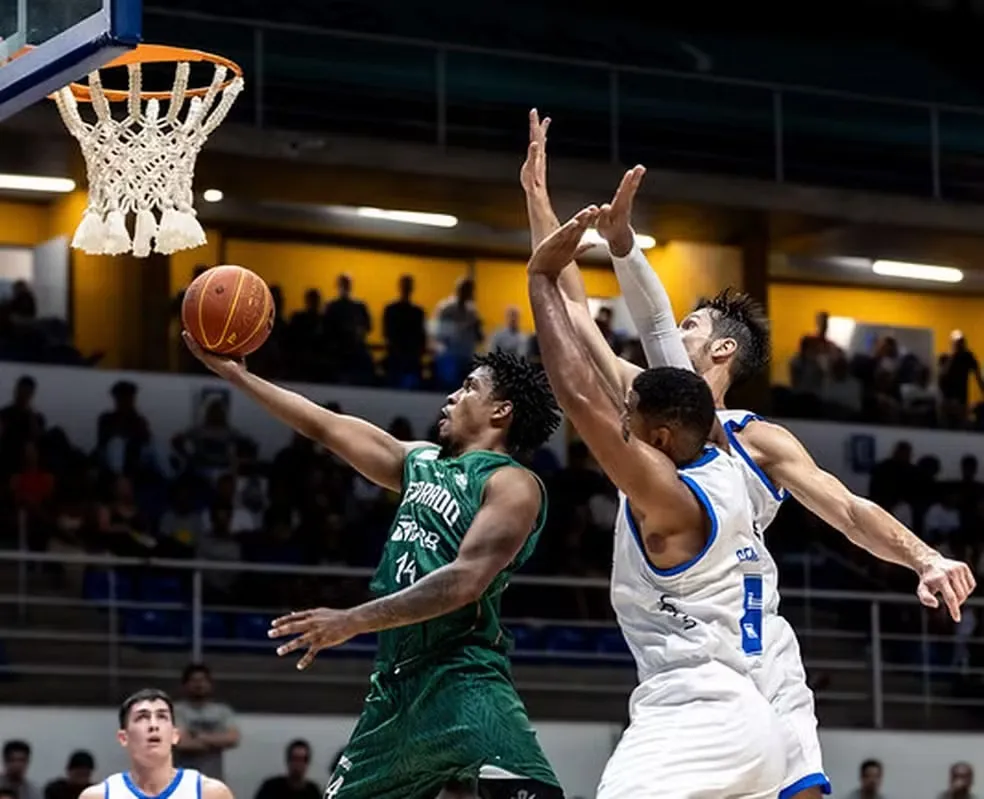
144,163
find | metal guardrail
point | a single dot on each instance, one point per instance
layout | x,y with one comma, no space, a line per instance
306,77
876,654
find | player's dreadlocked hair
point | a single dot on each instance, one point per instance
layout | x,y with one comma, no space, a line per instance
535,413
736,315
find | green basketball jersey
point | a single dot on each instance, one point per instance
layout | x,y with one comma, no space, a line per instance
440,499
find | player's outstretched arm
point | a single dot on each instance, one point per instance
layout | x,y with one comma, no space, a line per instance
215,789
647,477
371,451
868,526
618,373
510,505
648,303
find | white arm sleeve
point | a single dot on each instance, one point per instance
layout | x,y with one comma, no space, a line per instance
651,311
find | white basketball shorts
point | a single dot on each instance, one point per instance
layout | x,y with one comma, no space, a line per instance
780,676
699,735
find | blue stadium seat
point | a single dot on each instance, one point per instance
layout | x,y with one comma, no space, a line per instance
153,624
611,642
253,626
161,588
527,638
215,626
95,585
568,639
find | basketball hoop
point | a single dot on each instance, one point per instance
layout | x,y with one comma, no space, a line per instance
145,161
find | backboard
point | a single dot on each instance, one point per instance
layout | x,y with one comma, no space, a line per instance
46,44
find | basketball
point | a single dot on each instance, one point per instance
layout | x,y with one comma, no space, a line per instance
228,310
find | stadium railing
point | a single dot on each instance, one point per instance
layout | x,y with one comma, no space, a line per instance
861,649
301,77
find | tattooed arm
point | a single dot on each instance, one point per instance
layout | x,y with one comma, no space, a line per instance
510,506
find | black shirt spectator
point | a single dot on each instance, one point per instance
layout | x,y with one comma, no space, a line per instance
894,477
404,328
294,784
78,777
19,421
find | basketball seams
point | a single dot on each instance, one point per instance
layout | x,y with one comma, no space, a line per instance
209,275
264,314
232,306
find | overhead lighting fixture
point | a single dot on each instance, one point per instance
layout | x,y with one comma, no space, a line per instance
36,183
212,196
408,217
938,274
592,236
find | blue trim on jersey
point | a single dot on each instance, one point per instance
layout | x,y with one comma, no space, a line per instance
198,787
709,454
171,788
732,427
706,502
809,781
106,792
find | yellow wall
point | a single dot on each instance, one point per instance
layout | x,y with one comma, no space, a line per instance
23,224
793,308
183,263
298,267
690,271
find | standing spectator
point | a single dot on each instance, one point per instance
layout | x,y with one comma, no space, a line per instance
209,448
955,372
509,338
604,321
19,422
294,784
305,338
827,351
123,434
843,394
347,323
207,728
871,780
78,777
16,759
405,331
961,781
457,334
893,477
32,487
807,378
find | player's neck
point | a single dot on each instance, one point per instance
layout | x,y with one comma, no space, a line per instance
152,780
480,444
719,381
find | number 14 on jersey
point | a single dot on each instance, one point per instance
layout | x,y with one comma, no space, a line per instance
406,569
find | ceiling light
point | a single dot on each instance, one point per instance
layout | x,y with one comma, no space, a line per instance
939,274
592,236
408,217
212,196
36,183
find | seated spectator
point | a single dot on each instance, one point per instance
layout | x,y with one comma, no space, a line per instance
181,527
920,399
871,780
78,777
294,784
209,448
603,319
218,543
121,527
961,781
807,378
32,488
19,422
16,760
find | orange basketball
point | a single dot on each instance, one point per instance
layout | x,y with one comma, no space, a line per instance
228,310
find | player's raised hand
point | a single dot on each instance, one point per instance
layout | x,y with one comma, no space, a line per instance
951,579
615,219
317,629
533,174
563,245
222,366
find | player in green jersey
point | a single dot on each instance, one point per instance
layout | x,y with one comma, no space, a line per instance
442,718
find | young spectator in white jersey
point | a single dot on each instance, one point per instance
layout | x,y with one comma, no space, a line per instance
724,341
148,734
686,586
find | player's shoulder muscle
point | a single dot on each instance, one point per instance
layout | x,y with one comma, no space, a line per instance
215,789
97,791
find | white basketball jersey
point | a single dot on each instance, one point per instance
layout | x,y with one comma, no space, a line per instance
766,498
709,609
187,784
